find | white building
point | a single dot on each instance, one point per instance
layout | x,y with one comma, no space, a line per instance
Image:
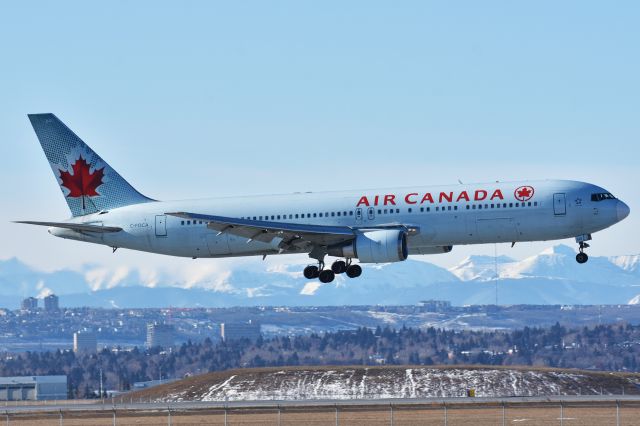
33,388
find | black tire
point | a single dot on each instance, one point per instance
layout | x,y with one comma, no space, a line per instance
339,267
354,271
326,276
311,272
582,258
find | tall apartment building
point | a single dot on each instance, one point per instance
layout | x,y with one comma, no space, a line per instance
29,304
85,341
240,330
51,303
161,335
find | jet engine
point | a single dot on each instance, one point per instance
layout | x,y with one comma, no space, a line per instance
380,246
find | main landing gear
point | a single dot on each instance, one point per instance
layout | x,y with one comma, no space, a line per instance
328,275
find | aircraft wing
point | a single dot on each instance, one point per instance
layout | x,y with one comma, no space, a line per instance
293,235
80,227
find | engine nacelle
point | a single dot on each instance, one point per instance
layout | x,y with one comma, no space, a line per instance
382,246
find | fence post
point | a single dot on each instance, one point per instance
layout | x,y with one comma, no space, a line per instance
504,417
61,419
561,413
337,421
7,414
279,415
617,412
169,413
114,416
445,414
391,409
225,415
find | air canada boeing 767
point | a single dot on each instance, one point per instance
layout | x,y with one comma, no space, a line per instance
372,226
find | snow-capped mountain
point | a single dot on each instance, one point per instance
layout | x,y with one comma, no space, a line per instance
551,277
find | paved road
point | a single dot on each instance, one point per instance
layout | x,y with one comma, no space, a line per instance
107,404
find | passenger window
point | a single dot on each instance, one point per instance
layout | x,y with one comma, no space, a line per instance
468,207
492,205
308,215
385,211
182,222
320,214
315,215
510,204
338,213
479,206
473,207
188,222
273,218
428,209
409,209
517,204
455,207
351,213
333,214
438,208
379,211
535,204
529,203
422,209
296,215
449,208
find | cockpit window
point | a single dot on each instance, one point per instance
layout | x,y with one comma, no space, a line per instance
602,196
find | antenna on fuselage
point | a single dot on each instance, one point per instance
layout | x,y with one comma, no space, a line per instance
460,182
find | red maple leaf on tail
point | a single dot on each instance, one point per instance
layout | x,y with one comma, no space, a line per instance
82,183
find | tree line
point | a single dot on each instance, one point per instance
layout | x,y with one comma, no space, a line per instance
604,347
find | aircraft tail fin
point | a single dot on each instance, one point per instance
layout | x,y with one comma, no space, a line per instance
88,183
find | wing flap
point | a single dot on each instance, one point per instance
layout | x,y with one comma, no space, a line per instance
265,231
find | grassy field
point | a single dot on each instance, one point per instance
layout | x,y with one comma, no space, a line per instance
578,414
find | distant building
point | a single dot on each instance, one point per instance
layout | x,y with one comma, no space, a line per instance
29,304
51,303
434,305
33,388
85,341
161,335
243,330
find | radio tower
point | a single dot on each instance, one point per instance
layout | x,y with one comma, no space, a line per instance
495,260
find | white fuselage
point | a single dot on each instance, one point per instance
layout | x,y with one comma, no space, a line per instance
442,215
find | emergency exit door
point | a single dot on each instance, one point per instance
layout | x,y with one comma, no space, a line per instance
559,204
161,225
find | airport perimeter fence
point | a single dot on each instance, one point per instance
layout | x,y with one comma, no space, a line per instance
621,412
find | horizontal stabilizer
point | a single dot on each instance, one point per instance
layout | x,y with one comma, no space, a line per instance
80,227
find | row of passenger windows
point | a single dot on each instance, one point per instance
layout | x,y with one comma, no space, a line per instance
380,212
300,216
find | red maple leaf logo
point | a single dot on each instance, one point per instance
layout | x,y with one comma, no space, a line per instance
82,182
524,193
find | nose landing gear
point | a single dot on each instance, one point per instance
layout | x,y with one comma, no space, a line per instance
582,257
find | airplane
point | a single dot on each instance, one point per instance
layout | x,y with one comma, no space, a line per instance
372,226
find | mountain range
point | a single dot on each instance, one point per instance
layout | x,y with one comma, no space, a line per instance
550,277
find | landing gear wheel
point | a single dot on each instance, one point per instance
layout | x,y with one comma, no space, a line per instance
339,267
326,276
354,271
582,257
311,272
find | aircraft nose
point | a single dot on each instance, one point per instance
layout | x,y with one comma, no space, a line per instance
623,210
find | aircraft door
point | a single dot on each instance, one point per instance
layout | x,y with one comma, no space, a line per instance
161,225
359,215
371,213
559,204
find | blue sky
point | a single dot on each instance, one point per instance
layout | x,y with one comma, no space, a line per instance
193,99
